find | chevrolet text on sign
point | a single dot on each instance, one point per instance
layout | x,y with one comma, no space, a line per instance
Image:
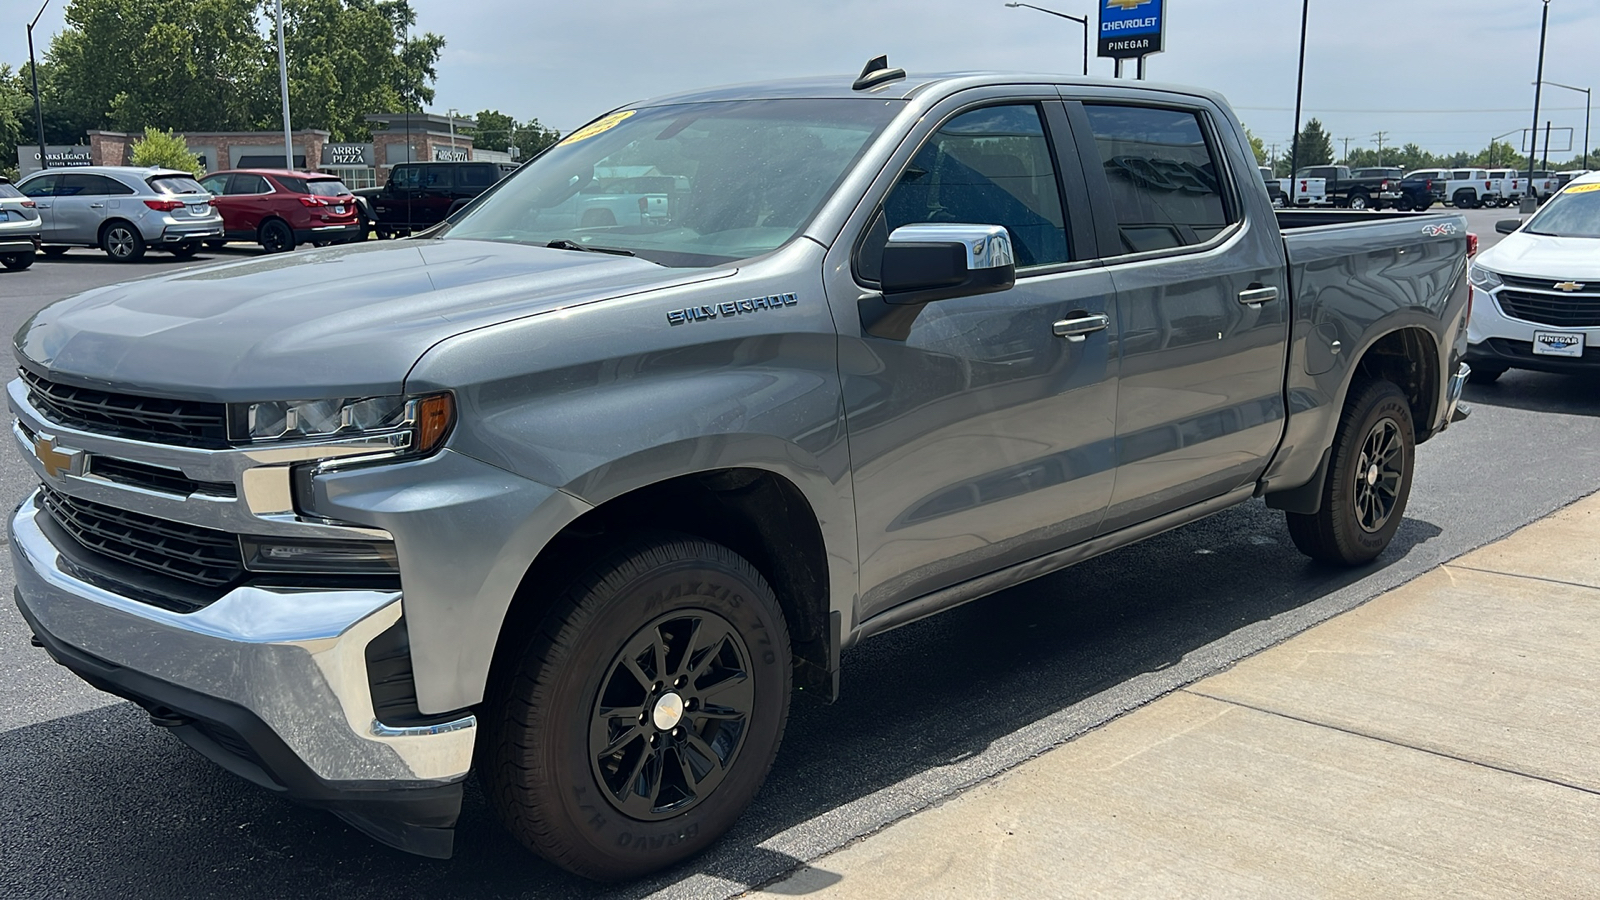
1131,28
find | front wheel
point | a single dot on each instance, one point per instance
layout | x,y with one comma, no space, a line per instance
636,725
1368,482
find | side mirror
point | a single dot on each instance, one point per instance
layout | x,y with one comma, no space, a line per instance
1507,226
924,263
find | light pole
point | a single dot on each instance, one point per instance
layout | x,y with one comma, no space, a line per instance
1529,204
1587,97
451,113
283,85
1081,20
1299,92
38,110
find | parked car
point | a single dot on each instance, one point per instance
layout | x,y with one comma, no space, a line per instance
1506,187
1275,187
1542,283
279,209
1419,190
421,194
1370,188
582,507
123,210
1468,188
19,227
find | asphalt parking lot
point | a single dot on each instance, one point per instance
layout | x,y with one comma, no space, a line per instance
97,803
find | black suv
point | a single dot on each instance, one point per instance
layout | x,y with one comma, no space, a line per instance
420,194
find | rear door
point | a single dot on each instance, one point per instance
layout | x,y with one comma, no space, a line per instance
42,191
1202,303
979,438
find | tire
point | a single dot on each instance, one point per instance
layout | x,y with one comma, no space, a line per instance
544,764
1403,203
276,236
54,252
1358,201
1368,481
16,262
216,245
122,242
185,251
1464,199
1482,374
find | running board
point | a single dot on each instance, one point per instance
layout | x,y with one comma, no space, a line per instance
984,585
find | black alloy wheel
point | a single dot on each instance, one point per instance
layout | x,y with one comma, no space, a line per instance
1403,203
276,236
1368,481
642,714
122,242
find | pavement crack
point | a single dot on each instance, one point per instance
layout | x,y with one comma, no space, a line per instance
1393,743
1519,575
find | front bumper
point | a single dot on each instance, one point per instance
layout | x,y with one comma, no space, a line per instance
1497,340
272,684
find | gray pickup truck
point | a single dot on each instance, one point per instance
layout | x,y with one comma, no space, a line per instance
580,509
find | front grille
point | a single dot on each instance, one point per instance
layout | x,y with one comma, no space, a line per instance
1544,284
155,478
157,419
1572,310
191,553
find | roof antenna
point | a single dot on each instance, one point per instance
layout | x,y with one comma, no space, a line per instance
877,72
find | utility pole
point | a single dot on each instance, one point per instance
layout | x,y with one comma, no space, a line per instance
283,84
38,112
1381,137
1529,204
1346,159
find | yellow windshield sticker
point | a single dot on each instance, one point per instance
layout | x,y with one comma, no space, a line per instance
1584,188
600,126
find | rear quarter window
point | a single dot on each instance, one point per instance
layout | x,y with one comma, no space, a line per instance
174,184
8,191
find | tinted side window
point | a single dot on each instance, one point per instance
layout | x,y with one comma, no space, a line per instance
215,184
43,186
407,177
475,176
76,185
244,183
7,191
438,177
292,185
990,166
1165,177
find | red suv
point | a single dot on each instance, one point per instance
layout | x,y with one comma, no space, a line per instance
279,209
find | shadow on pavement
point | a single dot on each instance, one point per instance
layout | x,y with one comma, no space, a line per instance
1573,395
145,816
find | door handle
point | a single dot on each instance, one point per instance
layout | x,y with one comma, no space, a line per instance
97,206
1256,296
38,205
1077,329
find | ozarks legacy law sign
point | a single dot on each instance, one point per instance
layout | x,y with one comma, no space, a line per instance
1131,28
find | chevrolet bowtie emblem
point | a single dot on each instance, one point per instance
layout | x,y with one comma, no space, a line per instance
1125,5
1568,286
56,462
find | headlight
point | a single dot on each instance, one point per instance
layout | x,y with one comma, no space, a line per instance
1482,278
415,424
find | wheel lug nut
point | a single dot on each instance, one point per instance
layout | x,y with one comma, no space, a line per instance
682,680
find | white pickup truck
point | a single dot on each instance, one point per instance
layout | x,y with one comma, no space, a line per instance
1506,187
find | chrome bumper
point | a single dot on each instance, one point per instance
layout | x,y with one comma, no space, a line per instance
295,659
1454,410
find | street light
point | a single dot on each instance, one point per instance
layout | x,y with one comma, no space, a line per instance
38,111
1081,20
1529,204
1587,97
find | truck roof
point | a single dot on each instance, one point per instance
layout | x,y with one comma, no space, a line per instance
909,87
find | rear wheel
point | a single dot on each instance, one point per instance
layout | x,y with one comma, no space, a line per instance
1358,201
16,261
1368,481
1403,203
1464,199
276,237
640,719
122,242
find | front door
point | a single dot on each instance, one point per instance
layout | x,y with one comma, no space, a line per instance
1203,305
42,191
80,207
978,437
436,194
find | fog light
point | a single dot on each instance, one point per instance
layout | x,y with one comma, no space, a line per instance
266,554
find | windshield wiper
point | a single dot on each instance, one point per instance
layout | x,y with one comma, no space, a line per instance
564,244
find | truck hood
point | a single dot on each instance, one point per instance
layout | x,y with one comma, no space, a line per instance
1542,256
344,321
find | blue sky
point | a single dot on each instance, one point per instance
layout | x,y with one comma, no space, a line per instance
1447,74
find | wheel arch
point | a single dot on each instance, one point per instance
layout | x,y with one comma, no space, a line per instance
758,513
1408,356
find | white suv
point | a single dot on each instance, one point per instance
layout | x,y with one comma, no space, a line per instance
122,210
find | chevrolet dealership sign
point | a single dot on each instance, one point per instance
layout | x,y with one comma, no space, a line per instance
1131,28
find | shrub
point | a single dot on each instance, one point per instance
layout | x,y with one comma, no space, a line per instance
165,149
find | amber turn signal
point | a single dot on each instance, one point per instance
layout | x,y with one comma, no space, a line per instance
435,415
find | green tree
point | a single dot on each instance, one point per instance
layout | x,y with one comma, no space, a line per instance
1316,146
498,131
1257,146
165,149
15,104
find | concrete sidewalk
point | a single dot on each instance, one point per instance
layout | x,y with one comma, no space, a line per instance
1440,740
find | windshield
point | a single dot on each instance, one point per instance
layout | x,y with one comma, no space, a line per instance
1575,212
686,185
176,184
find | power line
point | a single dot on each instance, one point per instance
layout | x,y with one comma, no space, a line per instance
1448,112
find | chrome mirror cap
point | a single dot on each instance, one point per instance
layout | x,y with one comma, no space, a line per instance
988,246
